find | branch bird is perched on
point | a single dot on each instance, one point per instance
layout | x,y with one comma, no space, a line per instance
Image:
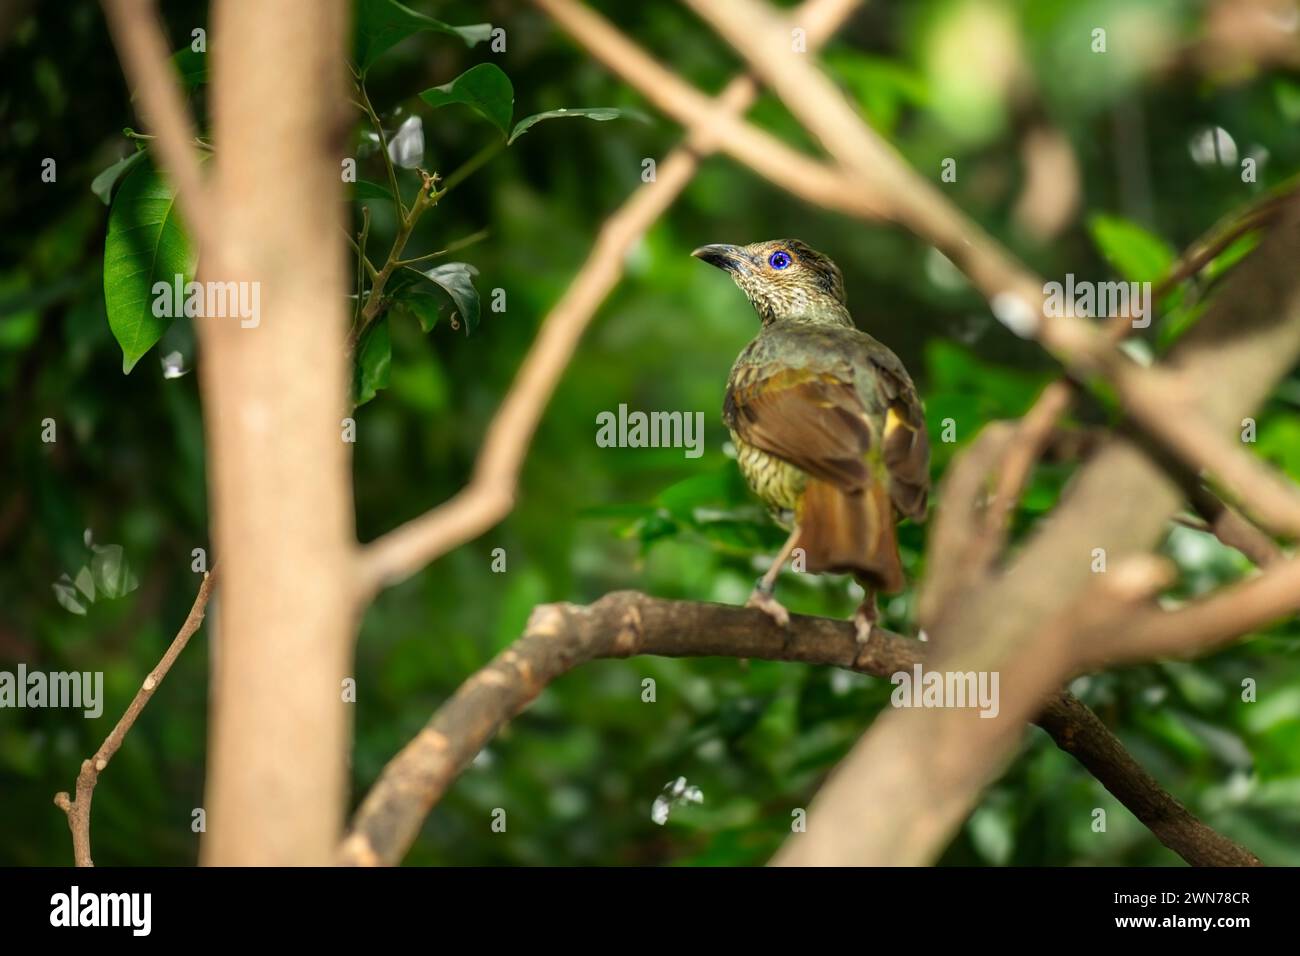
828,428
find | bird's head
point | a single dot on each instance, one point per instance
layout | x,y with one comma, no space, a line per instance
783,278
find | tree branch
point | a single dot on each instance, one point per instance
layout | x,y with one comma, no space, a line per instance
491,492
1201,626
1167,409
425,200
1033,433
957,529
768,156
1226,524
78,810
560,637
1218,238
1080,733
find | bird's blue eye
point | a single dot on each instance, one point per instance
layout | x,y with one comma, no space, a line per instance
779,259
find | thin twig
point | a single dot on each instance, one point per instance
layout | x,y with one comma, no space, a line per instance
78,810
451,247
198,141
363,263
383,146
426,199
1227,524
1216,240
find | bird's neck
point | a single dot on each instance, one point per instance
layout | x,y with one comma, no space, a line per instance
819,312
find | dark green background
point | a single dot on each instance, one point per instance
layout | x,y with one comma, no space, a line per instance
577,772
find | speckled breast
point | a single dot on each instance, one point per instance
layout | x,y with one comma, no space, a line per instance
778,483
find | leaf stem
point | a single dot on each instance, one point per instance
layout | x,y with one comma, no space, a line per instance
426,199
451,247
367,264
198,141
363,262
369,109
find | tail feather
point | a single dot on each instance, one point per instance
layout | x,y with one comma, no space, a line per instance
851,532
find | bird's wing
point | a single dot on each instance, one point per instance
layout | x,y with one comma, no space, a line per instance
813,419
906,445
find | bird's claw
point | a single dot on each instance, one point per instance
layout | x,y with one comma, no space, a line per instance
770,606
863,628
864,623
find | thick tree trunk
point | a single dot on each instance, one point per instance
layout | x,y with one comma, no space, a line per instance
278,469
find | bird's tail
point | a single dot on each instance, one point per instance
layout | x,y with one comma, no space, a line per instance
851,532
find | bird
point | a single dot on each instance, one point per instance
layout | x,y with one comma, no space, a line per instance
828,427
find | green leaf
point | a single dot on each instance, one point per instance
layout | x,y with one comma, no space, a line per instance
1223,263
617,511
381,24
20,317
1134,253
457,280
420,383
717,489
1287,93
598,113
425,309
366,189
992,831
373,359
146,244
102,185
436,293
1279,442
192,67
1178,321
975,388
412,294
484,88
653,528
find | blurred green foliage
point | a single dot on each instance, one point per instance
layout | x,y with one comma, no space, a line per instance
577,773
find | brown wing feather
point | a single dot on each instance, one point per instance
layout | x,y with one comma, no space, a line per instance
814,421
906,444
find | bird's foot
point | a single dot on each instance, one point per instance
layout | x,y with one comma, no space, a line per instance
864,620
770,606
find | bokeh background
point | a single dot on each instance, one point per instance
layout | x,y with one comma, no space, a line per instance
1104,165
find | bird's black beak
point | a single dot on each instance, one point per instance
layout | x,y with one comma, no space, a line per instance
725,257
